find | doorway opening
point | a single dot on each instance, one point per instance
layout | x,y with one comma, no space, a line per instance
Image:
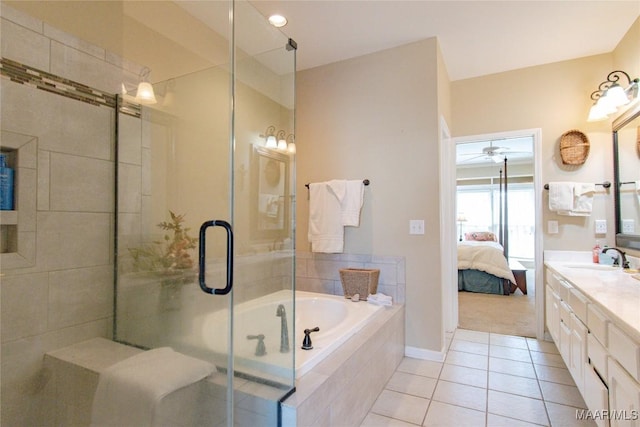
497,211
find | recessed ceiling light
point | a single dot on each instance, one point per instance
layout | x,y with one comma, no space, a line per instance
278,21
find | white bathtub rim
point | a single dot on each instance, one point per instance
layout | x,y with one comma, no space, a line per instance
321,348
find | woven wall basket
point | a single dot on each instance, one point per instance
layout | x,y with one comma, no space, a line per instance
574,147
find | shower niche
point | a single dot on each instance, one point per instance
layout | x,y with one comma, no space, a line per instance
18,226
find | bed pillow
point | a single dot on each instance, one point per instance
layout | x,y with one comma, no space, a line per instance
481,236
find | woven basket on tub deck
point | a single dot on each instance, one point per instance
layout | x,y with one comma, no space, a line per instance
360,281
574,147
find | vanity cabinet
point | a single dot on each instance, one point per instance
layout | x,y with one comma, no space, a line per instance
552,312
602,358
566,321
596,394
578,354
624,396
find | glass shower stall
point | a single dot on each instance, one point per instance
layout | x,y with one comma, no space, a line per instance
154,158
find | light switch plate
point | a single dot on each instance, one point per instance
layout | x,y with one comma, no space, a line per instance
552,227
628,226
601,226
416,226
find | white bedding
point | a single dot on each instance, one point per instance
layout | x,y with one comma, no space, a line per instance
484,256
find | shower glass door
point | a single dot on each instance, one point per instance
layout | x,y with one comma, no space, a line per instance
221,77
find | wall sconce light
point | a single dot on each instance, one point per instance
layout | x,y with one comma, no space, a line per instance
282,142
610,96
278,141
291,145
270,137
145,94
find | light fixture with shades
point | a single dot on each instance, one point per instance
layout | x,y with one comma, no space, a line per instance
610,96
145,94
291,145
278,140
282,141
270,137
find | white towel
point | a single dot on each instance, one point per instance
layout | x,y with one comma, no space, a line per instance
583,199
352,202
571,198
326,233
130,391
561,196
380,299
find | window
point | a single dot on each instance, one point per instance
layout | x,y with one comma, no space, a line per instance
480,205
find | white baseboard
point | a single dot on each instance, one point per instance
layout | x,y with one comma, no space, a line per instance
421,353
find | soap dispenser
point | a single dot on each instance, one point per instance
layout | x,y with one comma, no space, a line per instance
596,253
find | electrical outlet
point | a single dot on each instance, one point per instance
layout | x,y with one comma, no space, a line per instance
552,227
601,226
628,226
416,226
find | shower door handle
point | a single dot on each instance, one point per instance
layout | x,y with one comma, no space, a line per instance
202,261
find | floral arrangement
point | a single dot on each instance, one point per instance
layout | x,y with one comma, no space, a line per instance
170,254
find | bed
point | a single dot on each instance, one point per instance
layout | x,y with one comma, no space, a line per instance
483,264
482,267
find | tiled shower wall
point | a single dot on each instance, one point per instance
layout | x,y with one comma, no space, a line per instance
321,272
65,294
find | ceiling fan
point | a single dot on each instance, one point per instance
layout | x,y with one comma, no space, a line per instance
494,153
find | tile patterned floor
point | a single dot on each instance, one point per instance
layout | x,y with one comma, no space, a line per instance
488,380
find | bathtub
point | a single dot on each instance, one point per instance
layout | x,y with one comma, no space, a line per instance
338,319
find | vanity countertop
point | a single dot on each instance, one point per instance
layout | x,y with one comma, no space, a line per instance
616,293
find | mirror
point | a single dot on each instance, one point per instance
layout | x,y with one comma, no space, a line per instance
626,162
270,187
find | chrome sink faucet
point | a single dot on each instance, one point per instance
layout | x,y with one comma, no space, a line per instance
284,329
621,260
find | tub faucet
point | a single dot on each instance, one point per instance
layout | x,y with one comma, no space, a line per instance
621,260
284,330
260,348
306,342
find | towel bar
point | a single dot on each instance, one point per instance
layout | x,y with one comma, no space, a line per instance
605,184
364,181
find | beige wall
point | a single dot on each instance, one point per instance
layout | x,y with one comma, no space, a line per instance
555,98
376,117
626,55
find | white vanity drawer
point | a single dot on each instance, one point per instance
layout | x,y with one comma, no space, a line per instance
565,343
596,395
565,314
597,355
553,280
625,351
598,324
563,290
578,304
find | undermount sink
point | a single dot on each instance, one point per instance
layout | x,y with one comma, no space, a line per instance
589,266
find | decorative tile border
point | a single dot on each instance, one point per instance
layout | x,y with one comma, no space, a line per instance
26,75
